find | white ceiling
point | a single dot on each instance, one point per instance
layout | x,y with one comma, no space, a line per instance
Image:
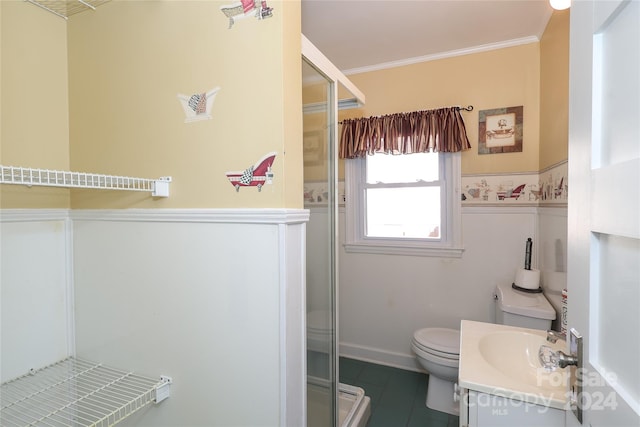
360,35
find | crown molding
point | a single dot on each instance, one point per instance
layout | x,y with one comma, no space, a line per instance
444,55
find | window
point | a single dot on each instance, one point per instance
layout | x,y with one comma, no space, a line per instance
404,204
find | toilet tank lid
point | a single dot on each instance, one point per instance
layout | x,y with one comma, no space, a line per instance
524,304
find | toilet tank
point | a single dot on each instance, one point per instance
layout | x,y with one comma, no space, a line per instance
523,309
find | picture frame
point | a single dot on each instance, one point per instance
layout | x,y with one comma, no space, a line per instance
500,130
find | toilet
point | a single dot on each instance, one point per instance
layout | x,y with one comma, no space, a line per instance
438,349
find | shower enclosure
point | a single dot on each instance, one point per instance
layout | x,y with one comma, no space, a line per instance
329,403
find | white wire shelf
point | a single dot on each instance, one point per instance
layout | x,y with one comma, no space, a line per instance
66,8
54,178
76,392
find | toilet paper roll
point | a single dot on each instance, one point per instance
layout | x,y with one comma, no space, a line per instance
528,279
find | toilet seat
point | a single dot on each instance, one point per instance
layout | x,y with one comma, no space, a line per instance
440,342
443,361
440,354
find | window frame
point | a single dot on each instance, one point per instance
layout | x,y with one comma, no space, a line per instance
450,242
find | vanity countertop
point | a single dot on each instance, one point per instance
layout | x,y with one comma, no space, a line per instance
503,360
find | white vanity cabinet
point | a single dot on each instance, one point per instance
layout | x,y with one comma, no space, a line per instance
501,379
479,409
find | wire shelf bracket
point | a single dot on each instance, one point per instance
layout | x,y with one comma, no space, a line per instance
75,392
54,178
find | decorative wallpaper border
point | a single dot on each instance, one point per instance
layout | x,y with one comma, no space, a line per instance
549,187
316,194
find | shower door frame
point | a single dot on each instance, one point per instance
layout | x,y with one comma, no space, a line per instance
334,78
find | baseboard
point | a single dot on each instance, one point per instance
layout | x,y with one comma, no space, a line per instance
380,357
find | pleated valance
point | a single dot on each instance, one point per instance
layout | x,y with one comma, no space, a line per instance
440,130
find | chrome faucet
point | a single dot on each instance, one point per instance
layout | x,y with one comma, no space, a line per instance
553,336
565,360
556,359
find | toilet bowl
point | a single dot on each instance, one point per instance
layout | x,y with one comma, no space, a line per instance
438,349
438,352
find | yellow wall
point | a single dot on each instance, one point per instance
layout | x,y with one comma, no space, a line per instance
127,61
554,90
34,121
130,59
291,123
533,75
494,79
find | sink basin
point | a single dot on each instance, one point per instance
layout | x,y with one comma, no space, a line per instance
514,353
502,360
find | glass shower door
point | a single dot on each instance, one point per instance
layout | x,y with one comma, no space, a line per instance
320,186
320,79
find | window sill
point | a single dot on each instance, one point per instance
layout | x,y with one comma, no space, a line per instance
390,249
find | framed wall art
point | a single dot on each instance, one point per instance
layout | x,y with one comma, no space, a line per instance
500,130
313,148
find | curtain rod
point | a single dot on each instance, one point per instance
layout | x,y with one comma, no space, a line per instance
467,108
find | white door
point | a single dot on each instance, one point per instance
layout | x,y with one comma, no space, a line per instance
604,215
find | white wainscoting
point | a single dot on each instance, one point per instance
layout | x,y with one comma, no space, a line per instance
384,298
36,290
552,251
213,298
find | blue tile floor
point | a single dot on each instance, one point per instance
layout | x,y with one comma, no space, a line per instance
397,396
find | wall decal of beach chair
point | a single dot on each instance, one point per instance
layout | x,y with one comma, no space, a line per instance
246,8
511,194
254,176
